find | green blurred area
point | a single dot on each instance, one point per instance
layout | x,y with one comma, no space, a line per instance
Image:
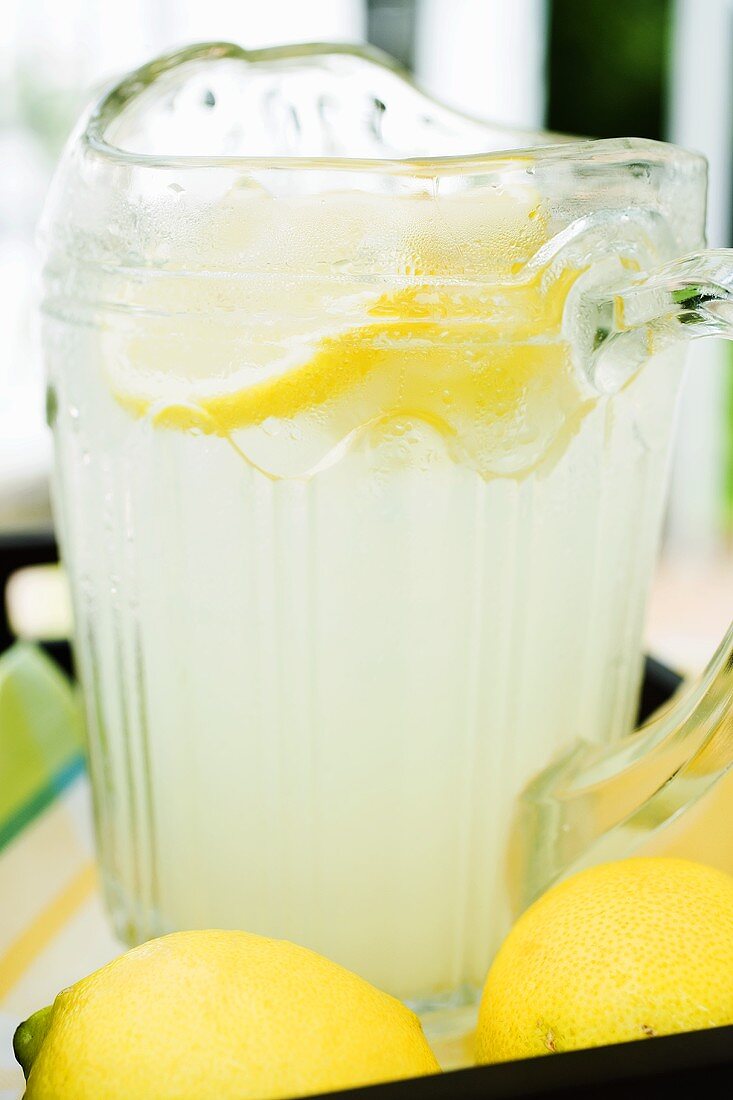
41,735
607,67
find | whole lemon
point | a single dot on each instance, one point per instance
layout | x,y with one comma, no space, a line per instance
623,951
218,1014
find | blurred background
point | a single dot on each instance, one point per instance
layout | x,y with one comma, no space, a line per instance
652,68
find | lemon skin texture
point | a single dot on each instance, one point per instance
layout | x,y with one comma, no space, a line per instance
622,951
218,1014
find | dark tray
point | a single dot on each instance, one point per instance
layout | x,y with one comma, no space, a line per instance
16,552
700,1061
696,1063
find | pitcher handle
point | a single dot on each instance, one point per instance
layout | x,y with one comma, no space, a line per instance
622,325
598,803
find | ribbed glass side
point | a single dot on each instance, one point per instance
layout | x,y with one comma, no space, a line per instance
313,702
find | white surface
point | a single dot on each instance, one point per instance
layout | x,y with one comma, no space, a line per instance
485,57
67,47
256,23
690,609
701,118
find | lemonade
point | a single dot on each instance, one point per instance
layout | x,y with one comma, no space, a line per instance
345,590
357,539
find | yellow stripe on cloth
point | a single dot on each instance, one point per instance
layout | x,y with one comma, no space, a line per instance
40,932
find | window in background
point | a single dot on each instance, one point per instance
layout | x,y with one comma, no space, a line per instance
486,57
700,116
257,23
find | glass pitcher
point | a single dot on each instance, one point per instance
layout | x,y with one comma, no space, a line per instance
362,414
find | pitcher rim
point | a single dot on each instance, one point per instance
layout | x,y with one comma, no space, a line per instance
544,146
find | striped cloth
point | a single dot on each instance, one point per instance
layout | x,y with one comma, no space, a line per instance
52,926
53,929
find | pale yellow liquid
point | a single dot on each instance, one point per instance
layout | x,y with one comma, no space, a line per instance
350,566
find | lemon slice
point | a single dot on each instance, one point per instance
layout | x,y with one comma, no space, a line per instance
40,734
458,354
